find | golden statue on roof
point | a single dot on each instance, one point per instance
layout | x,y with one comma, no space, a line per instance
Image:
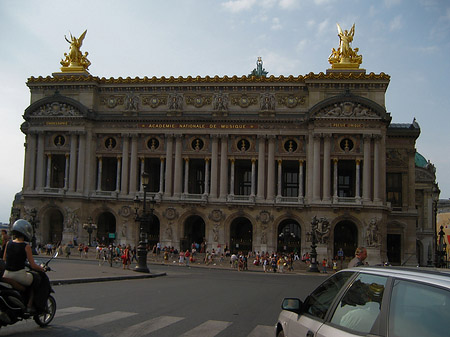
345,57
75,61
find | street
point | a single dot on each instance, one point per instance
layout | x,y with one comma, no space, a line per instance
186,302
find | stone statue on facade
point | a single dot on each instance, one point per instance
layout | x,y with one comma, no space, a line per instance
372,233
220,102
131,102
216,232
175,102
321,229
169,233
267,102
75,61
72,221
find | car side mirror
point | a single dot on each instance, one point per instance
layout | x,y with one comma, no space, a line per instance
292,304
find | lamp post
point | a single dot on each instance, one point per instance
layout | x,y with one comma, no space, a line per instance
435,198
89,227
442,248
313,265
33,214
144,219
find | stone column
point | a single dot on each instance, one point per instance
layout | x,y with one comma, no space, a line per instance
206,176
161,176
66,172
81,163
72,162
411,179
142,169
30,162
376,170
90,163
261,167
327,168
48,175
99,173
169,167
133,165
280,173
232,177
271,169
253,187
178,172
358,180
300,180
118,173
214,166
310,165
223,167
335,180
125,164
186,175
316,168
40,173
366,168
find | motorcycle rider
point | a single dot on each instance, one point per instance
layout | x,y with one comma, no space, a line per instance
16,253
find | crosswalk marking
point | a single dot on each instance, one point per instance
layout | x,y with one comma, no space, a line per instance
207,329
100,319
148,326
70,311
262,331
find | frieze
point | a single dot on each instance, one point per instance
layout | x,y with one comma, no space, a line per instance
291,101
220,102
396,158
346,109
56,109
198,101
244,101
154,101
170,213
112,101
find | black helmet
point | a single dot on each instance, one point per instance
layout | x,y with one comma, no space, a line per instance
23,227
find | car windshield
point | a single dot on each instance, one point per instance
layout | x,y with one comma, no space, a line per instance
318,303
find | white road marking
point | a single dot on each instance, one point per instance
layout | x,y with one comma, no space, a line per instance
70,311
100,319
147,327
262,331
208,329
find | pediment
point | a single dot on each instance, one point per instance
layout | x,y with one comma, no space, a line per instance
56,106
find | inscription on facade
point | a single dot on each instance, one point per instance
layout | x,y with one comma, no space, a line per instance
196,126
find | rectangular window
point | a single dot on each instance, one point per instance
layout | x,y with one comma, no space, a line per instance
394,189
289,181
58,171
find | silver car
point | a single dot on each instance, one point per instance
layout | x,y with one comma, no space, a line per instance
372,301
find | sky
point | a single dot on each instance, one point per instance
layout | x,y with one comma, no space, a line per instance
406,39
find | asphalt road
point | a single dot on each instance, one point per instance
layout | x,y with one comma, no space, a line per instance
186,302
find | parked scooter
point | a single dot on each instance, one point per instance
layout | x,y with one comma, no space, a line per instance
14,299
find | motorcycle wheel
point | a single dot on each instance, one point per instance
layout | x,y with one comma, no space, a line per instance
45,318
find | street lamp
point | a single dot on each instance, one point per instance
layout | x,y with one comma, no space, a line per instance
90,226
33,221
442,248
145,219
435,198
313,265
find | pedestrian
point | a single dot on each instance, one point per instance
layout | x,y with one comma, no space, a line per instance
67,251
324,266
134,254
360,256
187,256
126,257
334,265
86,251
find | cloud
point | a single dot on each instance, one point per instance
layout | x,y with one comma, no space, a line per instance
236,6
289,4
276,25
391,3
396,23
323,26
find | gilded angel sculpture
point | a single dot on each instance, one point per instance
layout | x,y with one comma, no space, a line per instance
75,60
345,56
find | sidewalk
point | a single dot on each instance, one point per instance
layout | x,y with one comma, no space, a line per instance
78,271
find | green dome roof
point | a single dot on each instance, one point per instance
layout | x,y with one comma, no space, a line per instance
420,160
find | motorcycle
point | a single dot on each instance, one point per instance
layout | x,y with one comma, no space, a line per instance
14,298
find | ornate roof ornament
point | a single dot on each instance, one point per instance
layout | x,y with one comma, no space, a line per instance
345,57
75,61
259,71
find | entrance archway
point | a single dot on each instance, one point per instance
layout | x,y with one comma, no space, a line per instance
345,237
289,236
106,228
153,231
194,231
241,235
55,221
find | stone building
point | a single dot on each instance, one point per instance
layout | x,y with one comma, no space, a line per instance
239,162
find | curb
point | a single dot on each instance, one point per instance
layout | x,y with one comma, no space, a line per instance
104,279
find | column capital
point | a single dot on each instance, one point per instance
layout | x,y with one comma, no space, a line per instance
317,136
367,137
377,137
301,161
335,160
327,136
232,160
358,161
253,160
262,136
67,155
186,159
207,159
162,159
279,161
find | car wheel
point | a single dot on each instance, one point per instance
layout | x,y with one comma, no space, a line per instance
280,334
